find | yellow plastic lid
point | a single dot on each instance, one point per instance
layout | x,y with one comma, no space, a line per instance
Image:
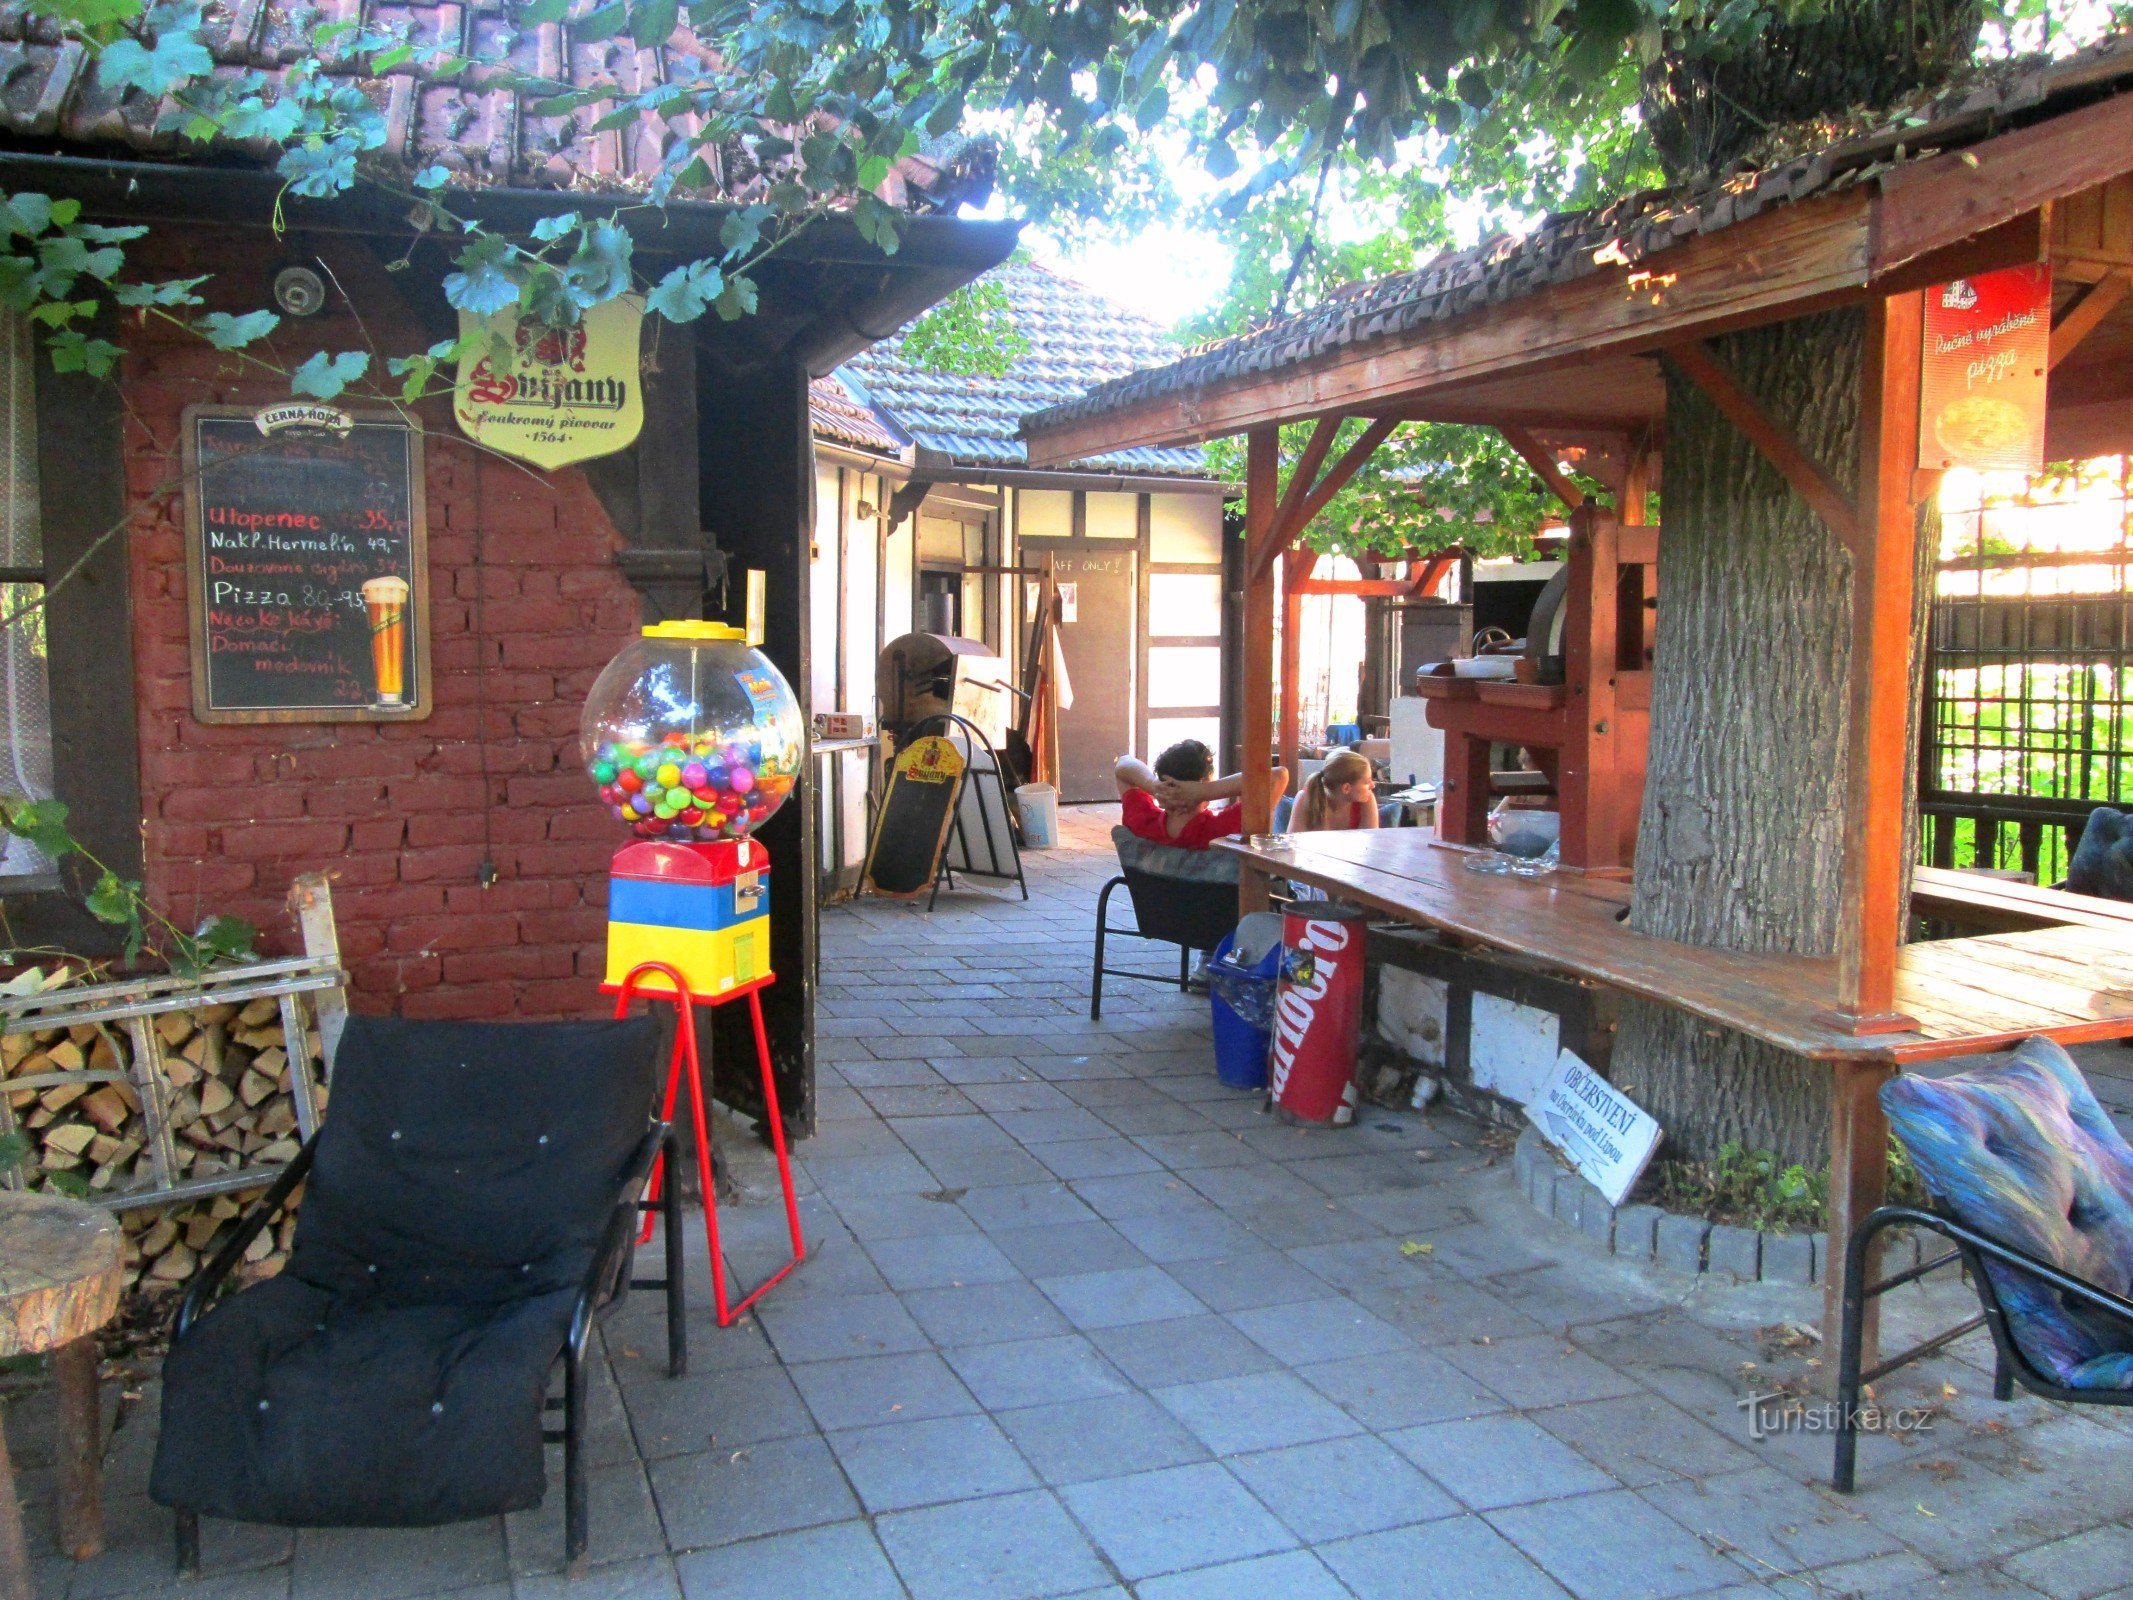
693,630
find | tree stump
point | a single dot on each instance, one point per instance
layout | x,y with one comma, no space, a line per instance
60,1274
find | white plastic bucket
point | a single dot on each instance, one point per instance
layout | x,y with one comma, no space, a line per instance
1038,806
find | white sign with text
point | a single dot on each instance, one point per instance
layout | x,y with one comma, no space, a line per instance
1608,1137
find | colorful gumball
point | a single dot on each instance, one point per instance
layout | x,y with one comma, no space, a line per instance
742,780
694,775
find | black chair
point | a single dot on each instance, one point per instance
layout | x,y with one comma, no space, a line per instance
473,1200
1183,897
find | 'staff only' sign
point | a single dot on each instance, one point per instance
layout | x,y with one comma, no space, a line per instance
1607,1136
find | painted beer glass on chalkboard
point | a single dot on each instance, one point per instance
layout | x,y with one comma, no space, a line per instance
307,561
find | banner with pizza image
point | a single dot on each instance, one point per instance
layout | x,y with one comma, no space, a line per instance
1987,348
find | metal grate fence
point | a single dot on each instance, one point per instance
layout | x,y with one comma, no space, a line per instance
2029,713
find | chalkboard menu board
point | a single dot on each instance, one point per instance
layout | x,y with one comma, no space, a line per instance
307,565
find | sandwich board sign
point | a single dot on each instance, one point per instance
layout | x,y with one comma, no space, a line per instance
1606,1135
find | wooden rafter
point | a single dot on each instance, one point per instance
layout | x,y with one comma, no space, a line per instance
1305,475
1542,461
1697,362
1290,527
2085,314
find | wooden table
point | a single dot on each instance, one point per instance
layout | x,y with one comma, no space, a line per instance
1976,899
60,1273
2071,982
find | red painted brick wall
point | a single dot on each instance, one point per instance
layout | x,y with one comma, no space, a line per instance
397,813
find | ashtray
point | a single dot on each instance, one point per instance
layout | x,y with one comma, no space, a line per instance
1277,843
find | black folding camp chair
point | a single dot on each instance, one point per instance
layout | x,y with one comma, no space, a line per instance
1183,897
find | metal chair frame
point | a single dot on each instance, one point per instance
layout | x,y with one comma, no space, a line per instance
1194,915
1973,1249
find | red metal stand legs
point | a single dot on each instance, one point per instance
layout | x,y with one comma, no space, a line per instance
685,1053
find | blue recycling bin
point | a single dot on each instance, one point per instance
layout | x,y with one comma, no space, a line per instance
1240,983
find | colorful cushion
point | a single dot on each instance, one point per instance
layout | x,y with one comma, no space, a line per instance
2021,1151
2103,861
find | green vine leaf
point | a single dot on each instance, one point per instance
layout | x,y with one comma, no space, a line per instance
686,293
226,332
323,377
175,58
482,287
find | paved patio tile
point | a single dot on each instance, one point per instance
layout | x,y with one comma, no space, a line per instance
1189,1230
984,1313
1340,1487
865,1175
1189,1350
1540,1370
839,1325
1106,1437
1499,1461
844,1560
1287,1223
721,1496
1293,1575
1139,1194
919,1100
1643,1439
1400,1390
1201,1147
2075,1568
1774,1521
1023,1205
1305,1331
1032,1372
866,1390
1060,1126
985,1168
1458,1558
678,1416
1644,1553
1114,1299
1261,1411
1071,1247
1178,1518
901,1216
619,1501
910,1464
1110,1157
1241,1282
393,1563
941,1260
648,1578
1011,1547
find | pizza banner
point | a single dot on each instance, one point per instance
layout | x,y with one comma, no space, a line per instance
1981,391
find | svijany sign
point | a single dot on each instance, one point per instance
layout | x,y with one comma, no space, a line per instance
554,395
1608,1137
1982,384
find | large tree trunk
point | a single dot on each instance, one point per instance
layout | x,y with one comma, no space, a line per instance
1742,833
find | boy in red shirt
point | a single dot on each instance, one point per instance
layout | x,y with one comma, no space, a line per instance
1167,804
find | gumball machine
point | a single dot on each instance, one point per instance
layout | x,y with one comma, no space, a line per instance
695,741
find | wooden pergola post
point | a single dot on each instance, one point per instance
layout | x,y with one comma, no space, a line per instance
1884,548
1262,492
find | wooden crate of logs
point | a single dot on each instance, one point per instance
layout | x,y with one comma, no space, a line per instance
231,1104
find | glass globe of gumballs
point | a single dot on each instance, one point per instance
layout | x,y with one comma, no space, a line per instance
692,735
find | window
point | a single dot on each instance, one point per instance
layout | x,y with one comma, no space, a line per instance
25,685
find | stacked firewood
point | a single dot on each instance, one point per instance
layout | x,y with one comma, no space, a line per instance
231,1106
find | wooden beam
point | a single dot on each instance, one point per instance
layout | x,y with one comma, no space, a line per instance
2085,314
1781,263
1543,463
1286,531
1931,204
1296,569
1870,914
1858,1180
1304,475
1255,723
2023,242
1697,362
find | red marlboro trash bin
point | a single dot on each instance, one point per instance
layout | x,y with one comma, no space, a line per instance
1318,1008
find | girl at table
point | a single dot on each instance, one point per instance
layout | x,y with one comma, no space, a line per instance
1340,794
